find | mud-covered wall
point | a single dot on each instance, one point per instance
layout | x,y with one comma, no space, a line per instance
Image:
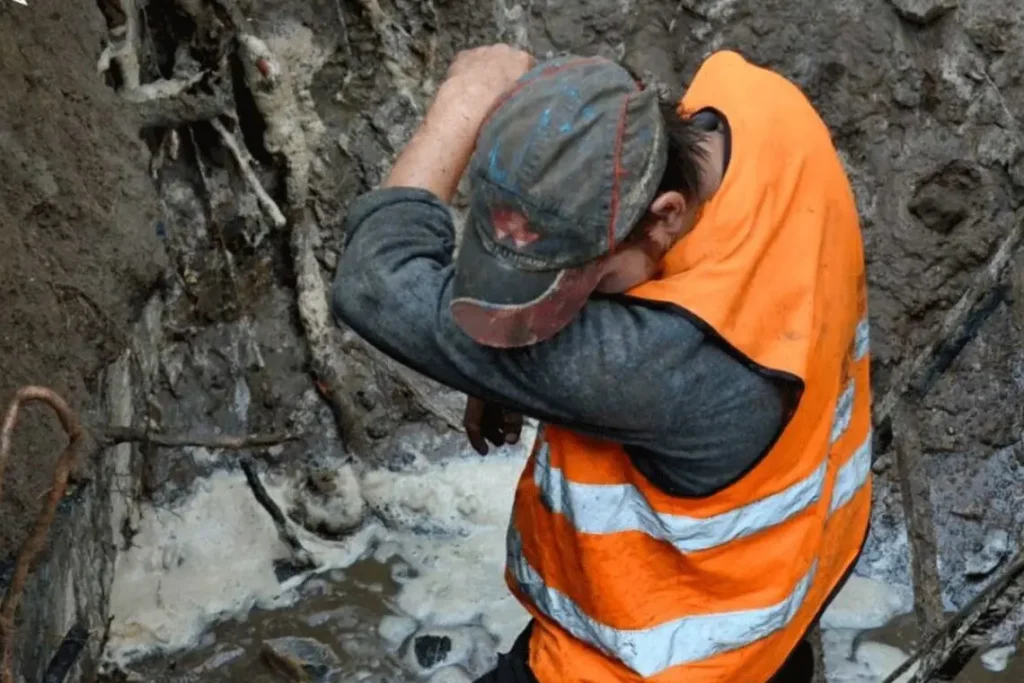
922,98
79,255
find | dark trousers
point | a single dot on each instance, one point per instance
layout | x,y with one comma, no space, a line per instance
513,667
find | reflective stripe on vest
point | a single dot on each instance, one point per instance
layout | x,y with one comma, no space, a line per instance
613,508
651,650
862,339
852,475
688,639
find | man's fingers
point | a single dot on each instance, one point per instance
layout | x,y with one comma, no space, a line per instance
513,426
472,421
492,426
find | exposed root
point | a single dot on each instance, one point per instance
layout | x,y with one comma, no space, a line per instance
110,436
123,48
954,642
279,84
182,107
321,333
301,558
36,540
917,507
245,162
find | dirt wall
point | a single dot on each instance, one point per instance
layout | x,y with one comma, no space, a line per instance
79,254
922,98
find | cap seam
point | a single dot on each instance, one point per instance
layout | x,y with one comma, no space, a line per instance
617,172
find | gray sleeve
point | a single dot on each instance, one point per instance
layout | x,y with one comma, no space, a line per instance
692,416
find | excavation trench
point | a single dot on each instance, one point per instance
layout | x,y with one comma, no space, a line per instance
190,298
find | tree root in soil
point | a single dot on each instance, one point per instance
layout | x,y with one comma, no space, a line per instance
918,511
301,558
326,361
245,164
104,437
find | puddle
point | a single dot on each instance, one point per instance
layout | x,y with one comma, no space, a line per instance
868,656
338,610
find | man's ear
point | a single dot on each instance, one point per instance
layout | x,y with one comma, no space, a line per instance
669,210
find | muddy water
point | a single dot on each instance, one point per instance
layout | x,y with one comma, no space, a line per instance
199,600
903,633
341,609
345,610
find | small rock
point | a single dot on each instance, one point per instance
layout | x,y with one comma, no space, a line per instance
997,659
470,647
993,550
331,504
880,465
922,11
300,660
431,650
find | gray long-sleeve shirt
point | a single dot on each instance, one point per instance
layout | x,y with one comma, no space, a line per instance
692,416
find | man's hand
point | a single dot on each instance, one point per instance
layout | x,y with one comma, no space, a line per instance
490,422
491,69
439,151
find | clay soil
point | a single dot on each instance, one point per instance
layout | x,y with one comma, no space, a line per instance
78,244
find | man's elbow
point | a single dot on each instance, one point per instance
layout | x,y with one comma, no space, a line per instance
352,296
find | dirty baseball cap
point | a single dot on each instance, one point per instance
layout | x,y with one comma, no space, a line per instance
564,167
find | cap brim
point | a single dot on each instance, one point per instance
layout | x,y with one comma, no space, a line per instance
501,306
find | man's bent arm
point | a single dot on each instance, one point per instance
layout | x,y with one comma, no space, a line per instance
642,376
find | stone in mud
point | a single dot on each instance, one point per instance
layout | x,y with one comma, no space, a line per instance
993,550
300,660
429,650
922,11
330,502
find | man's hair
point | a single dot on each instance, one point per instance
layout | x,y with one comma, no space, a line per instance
685,154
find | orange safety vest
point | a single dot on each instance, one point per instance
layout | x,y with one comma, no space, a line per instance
628,583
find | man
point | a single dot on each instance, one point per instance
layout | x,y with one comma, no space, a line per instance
678,294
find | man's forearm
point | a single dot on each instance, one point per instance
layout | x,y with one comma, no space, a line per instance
440,150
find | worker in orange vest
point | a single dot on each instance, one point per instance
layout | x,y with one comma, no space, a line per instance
678,294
